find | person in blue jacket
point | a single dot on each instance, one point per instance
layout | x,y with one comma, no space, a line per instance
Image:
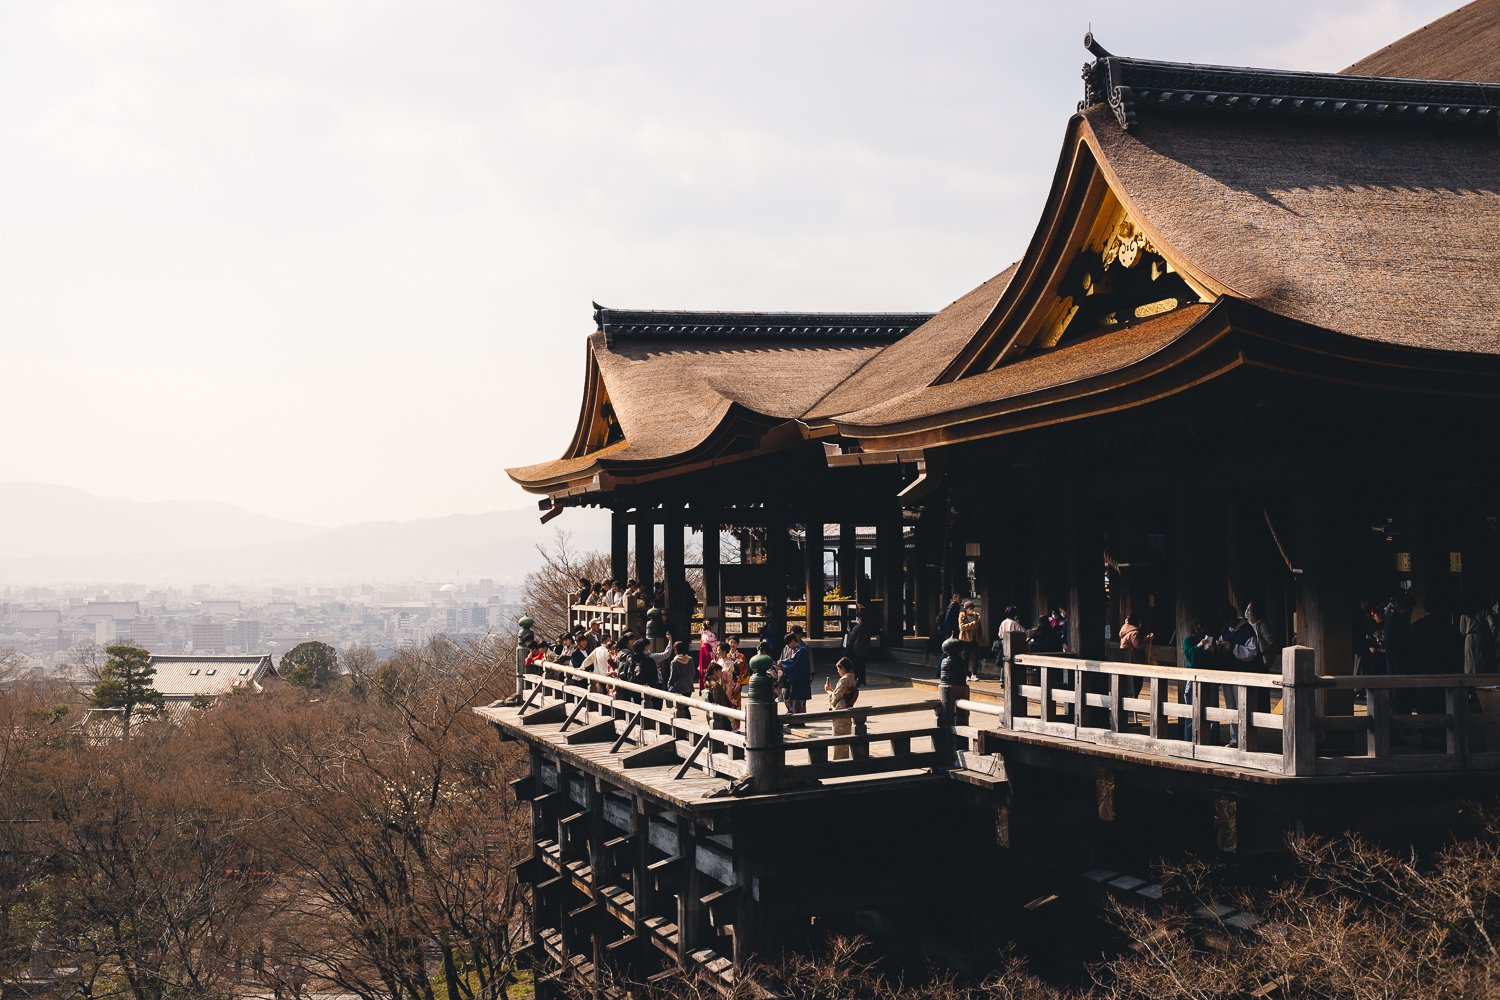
796,675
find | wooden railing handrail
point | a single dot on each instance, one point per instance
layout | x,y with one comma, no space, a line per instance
672,697
903,708
1243,678
1361,682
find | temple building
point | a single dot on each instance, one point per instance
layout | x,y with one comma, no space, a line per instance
1251,355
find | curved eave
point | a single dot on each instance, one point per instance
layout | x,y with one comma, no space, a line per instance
1080,184
1231,335
738,434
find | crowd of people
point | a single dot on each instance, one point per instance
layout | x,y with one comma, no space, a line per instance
717,671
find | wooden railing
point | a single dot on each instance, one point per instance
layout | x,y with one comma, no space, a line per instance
746,617
643,725
868,752
614,621
647,726
1293,723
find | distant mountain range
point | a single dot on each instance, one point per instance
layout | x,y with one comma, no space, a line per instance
56,534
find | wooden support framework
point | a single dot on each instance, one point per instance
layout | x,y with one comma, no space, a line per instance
619,547
645,550
814,584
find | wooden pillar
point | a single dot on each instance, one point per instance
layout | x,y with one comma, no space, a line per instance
645,551
848,560
812,576
1085,545
676,575
777,547
619,547
890,557
923,559
689,900
1325,546
1198,562
712,595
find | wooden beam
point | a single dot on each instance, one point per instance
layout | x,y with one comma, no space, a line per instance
711,558
619,546
599,732
814,583
645,551
552,713
652,755
848,560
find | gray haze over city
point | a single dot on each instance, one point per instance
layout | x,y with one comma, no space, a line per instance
286,285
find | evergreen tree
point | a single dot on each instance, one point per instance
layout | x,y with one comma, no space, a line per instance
309,664
127,683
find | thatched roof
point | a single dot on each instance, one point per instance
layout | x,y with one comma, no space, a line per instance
681,386
1355,205
1463,45
1379,233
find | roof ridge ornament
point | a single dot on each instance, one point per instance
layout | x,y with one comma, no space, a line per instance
1132,87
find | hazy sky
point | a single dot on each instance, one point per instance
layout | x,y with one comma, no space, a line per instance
332,261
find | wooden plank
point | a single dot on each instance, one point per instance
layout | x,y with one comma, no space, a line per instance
599,732
552,713
1143,670
1158,691
1399,764
653,754
635,720
662,835
715,862
693,756
617,813
852,738
1379,739
871,766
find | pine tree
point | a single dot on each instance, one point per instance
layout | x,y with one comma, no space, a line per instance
309,664
127,683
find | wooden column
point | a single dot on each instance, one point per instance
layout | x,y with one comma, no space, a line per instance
812,576
890,557
674,571
1198,561
619,547
645,551
1325,546
1085,551
711,560
848,560
924,601
776,559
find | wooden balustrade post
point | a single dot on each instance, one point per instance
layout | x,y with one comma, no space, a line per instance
1457,705
953,685
1014,677
1299,712
523,636
763,746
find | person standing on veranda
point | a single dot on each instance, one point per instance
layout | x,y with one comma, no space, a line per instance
796,667
970,631
841,696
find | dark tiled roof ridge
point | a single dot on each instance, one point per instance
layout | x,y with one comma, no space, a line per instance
654,323
1135,86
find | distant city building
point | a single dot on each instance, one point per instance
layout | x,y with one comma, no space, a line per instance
38,618
120,611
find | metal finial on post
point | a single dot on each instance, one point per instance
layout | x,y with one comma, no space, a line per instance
762,731
524,635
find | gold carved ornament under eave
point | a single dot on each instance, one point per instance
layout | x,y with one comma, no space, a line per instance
1116,277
